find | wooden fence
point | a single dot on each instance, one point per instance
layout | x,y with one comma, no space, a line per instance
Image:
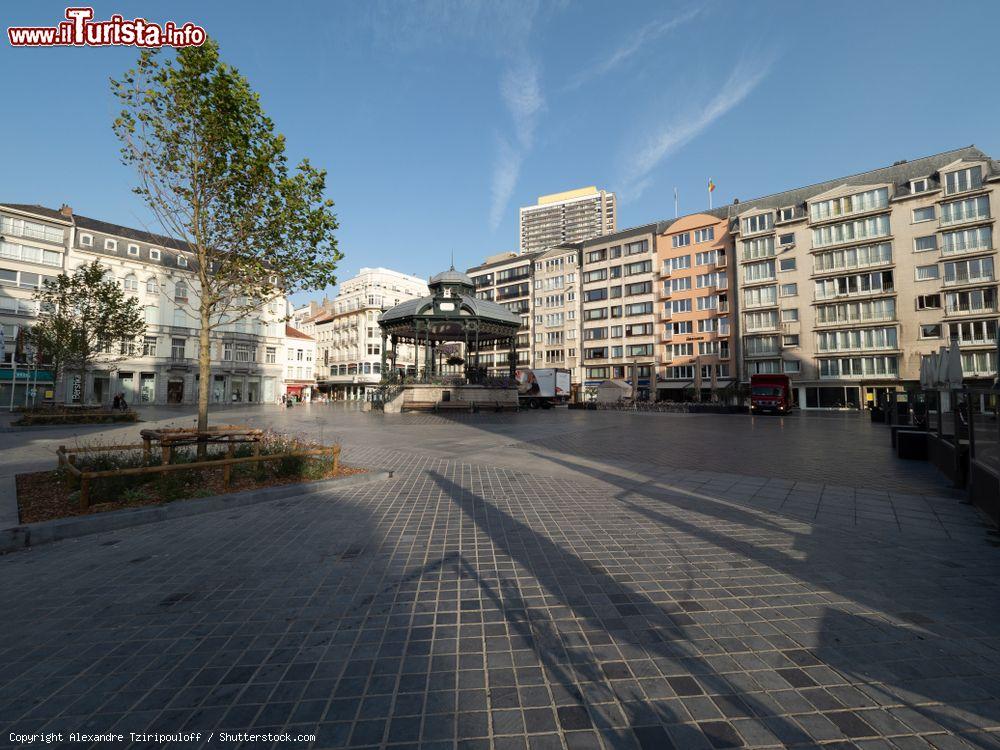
67,460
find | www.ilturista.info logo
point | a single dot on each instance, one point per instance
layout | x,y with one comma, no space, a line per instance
79,30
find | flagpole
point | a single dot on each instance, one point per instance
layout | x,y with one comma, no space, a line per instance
676,205
710,196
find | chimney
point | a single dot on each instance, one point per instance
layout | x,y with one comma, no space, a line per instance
66,211
736,201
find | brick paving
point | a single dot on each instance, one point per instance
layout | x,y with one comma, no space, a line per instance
526,583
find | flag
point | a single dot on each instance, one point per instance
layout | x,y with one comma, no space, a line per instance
711,185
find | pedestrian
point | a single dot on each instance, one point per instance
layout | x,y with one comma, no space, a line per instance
116,403
122,403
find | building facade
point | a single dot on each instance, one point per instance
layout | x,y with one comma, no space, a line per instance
300,364
506,278
247,353
617,317
555,311
696,311
571,216
32,248
846,284
348,340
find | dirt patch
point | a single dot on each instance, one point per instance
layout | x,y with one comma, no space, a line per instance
46,496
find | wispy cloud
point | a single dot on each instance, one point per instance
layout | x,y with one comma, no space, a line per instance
628,50
522,97
744,78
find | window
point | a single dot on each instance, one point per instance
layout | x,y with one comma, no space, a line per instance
919,186
111,245
152,287
680,263
704,235
759,223
180,291
930,331
130,283
762,247
180,319
152,314
596,256
154,254
869,200
754,272
848,286
856,312
680,305
182,262
634,248
786,214
925,244
791,315
963,180
149,346
133,250
858,339
786,264
834,234
929,302
760,297
923,214
30,254
177,347
966,271
970,209
925,273
789,290
271,355
681,240
974,300
791,366
786,239
86,240
790,340
967,241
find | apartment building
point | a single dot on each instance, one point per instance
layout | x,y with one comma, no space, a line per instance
348,339
32,248
696,310
555,311
846,284
300,359
618,320
570,216
506,278
246,355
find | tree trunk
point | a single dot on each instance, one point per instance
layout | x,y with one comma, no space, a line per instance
204,372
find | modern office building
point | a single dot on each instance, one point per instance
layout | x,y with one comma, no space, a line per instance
571,216
696,310
618,320
348,340
555,311
506,278
844,285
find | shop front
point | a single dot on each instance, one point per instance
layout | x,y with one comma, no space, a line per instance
26,387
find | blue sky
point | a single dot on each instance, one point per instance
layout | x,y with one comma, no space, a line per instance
437,120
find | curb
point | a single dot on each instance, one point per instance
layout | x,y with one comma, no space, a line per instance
45,532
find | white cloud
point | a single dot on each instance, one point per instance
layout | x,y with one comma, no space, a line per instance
506,170
636,42
745,77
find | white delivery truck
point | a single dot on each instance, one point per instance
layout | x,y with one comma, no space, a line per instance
542,388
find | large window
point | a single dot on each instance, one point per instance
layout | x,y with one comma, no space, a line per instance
968,271
761,321
848,286
762,247
963,180
639,308
967,241
855,367
758,223
762,296
756,346
30,254
30,229
974,300
681,240
874,310
970,209
858,339
862,229
761,271
853,257
869,200
974,331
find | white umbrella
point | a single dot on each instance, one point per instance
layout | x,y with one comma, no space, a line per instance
954,367
927,371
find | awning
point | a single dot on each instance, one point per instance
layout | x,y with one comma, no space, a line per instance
27,376
293,389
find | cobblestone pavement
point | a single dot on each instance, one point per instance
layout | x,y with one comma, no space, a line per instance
534,581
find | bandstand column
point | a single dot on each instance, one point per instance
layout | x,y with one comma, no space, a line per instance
385,355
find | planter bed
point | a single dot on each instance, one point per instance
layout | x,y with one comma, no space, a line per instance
40,418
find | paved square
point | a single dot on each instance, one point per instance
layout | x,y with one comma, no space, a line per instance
542,580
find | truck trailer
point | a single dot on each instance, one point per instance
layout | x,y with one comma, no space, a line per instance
542,388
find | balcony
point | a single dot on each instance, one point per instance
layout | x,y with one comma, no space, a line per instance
723,308
663,293
666,337
663,315
180,364
964,278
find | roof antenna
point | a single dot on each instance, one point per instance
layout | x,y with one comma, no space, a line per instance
452,260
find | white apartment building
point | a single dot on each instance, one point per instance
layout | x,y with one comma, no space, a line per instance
247,354
556,309
300,364
570,216
348,339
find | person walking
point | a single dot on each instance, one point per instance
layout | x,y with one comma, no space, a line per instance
116,403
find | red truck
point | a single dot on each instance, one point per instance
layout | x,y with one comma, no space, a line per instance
770,393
